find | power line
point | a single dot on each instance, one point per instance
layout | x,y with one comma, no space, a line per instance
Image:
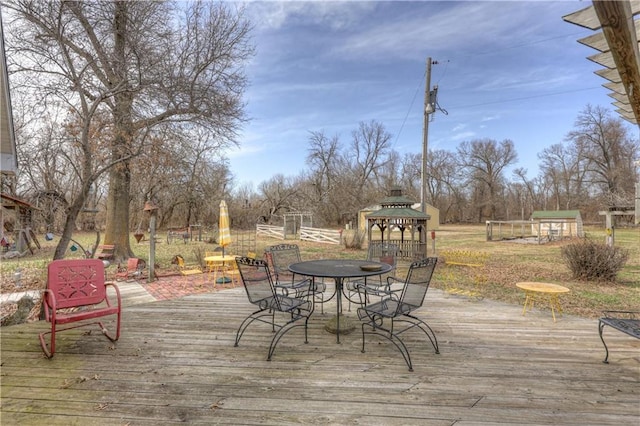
528,43
409,110
527,97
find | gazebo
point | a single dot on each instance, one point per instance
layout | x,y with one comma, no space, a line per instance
399,224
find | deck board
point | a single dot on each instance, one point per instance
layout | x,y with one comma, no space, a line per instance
176,363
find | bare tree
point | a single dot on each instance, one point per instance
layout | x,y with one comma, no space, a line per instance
368,154
347,179
529,194
485,161
278,196
148,64
324,162
446,184
564,168
604,143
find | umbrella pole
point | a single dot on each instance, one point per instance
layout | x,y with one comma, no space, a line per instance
223,279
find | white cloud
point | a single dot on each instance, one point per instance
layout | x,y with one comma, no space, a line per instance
490,118
463,135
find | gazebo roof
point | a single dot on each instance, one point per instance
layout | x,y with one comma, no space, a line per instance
397,206
398,213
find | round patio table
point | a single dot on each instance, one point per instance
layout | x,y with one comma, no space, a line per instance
219,266
532,290
338,270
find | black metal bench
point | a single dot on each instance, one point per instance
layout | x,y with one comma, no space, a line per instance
624,321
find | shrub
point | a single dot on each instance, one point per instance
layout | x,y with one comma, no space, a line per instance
589,260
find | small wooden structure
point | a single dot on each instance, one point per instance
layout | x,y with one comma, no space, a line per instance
16,218
616,42
610,220
432,211
557,224
399,224
294,221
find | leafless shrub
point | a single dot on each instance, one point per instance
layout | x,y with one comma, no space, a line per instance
592,261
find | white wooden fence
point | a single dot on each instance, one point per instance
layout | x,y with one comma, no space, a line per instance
270,231
330,236
319,235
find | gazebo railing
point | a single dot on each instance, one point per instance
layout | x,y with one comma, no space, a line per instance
407,249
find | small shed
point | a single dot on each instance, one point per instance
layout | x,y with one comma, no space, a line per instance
557,224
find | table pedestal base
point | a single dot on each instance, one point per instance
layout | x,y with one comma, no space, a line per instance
347,325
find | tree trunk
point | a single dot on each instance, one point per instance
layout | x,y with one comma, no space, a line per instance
119,197
118,200
69,226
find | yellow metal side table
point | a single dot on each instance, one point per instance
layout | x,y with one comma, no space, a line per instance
534,290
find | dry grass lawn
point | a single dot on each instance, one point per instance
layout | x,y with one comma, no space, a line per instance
508,262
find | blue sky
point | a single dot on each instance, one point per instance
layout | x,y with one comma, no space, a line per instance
506,70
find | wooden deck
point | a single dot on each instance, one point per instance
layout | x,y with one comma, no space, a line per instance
176,363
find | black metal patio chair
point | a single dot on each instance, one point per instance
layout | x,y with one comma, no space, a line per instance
378,251
280,256
392,314
262,292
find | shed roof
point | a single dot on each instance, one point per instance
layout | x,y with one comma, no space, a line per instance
555,214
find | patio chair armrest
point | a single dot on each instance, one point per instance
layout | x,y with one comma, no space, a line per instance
282,288
305,282
295,287
621,314
373,290
392,279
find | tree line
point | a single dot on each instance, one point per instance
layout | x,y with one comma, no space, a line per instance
118,103
594,168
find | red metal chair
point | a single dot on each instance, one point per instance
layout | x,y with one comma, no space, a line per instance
77,283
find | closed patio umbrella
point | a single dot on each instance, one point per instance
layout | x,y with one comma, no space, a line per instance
224,232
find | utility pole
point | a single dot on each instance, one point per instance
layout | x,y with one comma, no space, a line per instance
425,137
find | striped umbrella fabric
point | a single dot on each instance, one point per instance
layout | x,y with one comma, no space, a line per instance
224,232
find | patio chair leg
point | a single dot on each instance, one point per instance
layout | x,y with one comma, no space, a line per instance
281,332
606,357
427,330
49,350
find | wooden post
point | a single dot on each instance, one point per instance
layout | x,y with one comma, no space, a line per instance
425,140
152,246
152,209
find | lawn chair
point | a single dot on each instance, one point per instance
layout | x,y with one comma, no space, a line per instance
279,257
134,269
184,269
388,316
262,292
377,252
77,283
